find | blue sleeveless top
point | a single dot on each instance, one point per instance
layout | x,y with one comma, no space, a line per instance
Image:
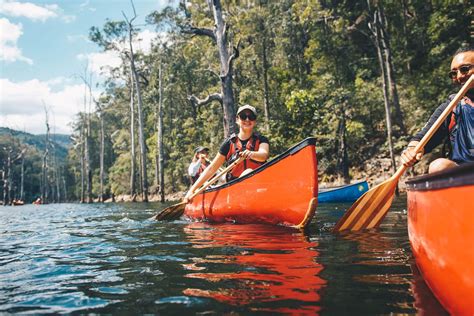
462,135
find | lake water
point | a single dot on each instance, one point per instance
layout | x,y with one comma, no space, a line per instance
112,258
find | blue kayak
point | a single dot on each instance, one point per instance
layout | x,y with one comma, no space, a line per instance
344,193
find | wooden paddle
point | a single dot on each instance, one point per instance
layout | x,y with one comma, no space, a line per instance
220,168
370,209
177,210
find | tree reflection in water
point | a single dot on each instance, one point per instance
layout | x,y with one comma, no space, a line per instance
256,264
378,249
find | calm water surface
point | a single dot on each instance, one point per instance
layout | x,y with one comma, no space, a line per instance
73,258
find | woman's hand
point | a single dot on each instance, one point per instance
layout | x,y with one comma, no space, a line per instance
409,156
187,198
246,154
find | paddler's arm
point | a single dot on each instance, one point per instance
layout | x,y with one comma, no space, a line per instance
205,175
260,155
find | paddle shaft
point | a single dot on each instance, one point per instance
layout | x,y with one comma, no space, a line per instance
219,170
422,143
216,177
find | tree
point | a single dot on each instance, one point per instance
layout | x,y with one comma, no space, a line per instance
219,37
141,128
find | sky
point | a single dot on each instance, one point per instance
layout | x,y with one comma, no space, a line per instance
44,49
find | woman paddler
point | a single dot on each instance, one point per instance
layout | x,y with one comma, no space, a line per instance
252,146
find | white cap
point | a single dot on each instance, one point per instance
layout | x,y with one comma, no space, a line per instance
247,107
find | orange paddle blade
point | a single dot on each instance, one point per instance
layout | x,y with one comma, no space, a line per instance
370,209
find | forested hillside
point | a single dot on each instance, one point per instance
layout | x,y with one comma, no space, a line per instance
360,76
25,166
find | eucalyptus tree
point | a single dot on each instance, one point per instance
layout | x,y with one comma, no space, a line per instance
114,36
189,20
45,166
141,134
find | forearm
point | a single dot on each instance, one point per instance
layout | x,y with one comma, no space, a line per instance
261,154
440,133
207,173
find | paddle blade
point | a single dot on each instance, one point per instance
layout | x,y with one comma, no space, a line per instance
370,209
172,212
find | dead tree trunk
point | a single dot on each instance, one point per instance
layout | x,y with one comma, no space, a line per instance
88,149
102,152
45,167
141,133
132,138
22,176
342,158
384,40
81,154
160,148
8,178
5,186
376,32
265,67
226,57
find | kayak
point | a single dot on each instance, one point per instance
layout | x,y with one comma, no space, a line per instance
343,193
440,228
282,191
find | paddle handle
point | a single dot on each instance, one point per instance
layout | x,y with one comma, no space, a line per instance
468,85
215,178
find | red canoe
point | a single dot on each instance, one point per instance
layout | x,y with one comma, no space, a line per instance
441,231
283,191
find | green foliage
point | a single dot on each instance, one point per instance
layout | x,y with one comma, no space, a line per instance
322,71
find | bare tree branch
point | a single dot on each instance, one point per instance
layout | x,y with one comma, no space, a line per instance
234,55
213,72
199,31
211,97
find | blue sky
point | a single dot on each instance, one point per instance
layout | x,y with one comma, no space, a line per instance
44,46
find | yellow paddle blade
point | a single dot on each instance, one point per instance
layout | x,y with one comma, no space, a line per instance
370,209
172,212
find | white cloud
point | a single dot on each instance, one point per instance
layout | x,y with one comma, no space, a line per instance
22,104
9,34
28,10
144,41
101,62
86,6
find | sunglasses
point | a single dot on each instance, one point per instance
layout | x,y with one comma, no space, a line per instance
250,116
464,69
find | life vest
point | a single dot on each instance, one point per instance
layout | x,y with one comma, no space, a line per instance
202,167
235,148
460,128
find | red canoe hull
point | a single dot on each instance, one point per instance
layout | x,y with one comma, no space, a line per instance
441,231
282,192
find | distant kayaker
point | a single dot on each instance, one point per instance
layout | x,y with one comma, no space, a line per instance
252,146
199,163
459,125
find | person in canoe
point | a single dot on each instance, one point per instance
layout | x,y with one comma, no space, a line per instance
199,163
253,147
458,127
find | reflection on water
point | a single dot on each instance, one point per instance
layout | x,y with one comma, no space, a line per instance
268,264
113,259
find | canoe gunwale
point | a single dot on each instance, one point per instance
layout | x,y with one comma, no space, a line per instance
291,151
454,177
